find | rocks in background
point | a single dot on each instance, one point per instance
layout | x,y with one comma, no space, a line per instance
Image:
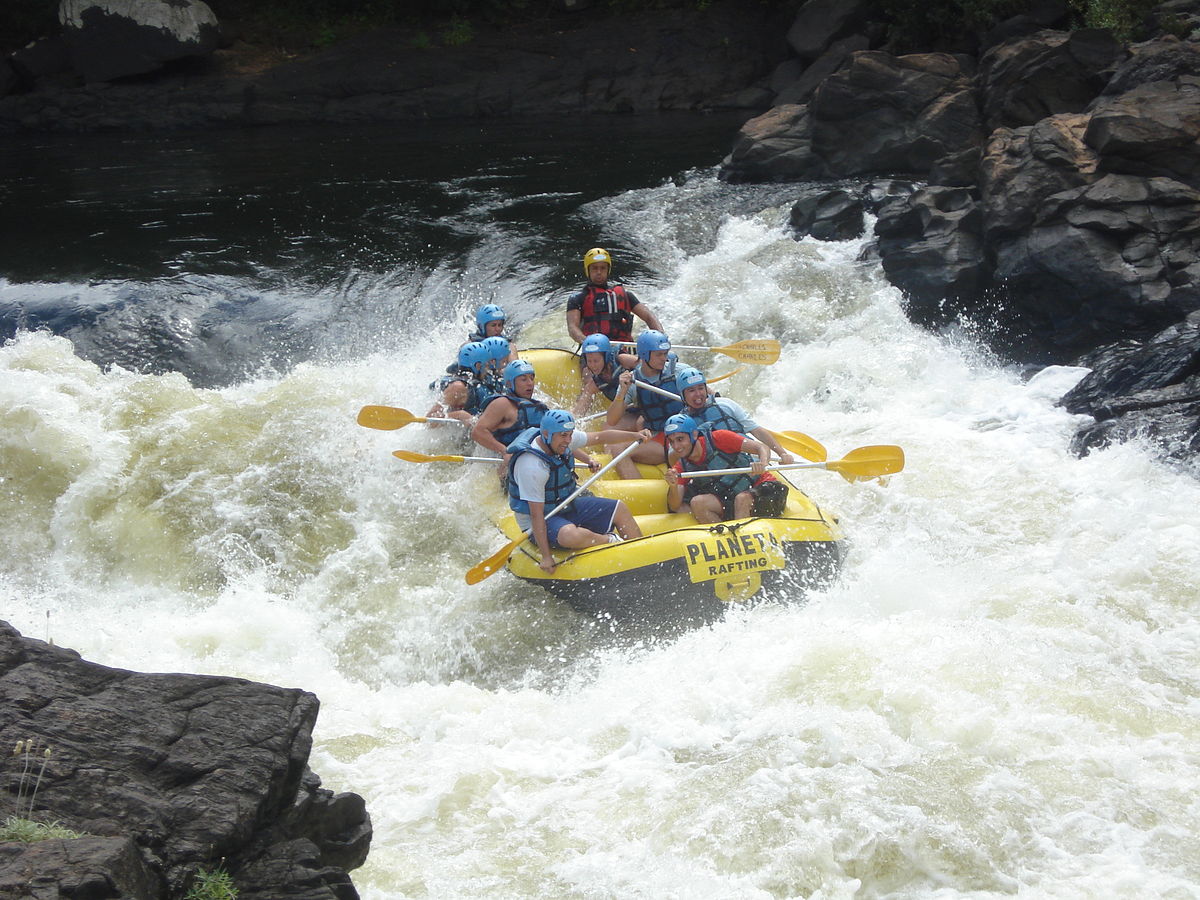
8,78
1143,390
117,38
877,114
930,247
1023,81
894,114
1061,209
1152,130
166,774
828,216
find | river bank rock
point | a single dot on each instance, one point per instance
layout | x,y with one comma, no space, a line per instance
116,38
1143,391
165,774
1060,210
564,64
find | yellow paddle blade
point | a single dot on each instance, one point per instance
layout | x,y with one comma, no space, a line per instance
869,462
495,562
762,352
386,418
410,456
802,445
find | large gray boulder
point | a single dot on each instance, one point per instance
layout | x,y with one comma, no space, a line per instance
1025,80
1152,130
775,146
878,114
167,774
1147,390
1021,168
930,247
820,23
894,114
110,39
1119,256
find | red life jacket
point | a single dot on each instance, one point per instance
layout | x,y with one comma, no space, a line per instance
606,311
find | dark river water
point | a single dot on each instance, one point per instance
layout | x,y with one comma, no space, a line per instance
181,251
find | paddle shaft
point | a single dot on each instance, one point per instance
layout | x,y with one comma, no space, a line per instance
863,462
717,473
760,352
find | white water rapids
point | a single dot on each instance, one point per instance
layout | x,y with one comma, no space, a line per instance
999,697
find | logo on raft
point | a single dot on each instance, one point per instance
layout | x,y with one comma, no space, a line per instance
718,556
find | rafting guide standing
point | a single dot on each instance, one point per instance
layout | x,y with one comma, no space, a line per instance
605,307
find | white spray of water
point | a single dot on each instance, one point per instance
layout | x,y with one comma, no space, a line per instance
1000,695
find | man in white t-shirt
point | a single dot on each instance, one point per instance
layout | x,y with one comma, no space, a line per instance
541,474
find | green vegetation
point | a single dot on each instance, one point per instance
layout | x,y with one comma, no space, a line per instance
31,759
212,884
1123,18
953,24
28,832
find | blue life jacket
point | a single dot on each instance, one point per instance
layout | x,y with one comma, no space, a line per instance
608,384
559,486
717,416
479,394
718,459
529,415
656,408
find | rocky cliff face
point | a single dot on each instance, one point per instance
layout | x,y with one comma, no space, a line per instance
166,775
1053,194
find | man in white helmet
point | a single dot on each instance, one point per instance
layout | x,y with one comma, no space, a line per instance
604,307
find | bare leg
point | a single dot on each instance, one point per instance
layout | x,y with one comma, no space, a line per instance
625,523
707,509
572,537
743,505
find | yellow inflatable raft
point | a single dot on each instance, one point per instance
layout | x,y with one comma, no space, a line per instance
679,570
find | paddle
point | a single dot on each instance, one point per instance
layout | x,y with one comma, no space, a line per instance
864,462
801,444
762,352
497,560
410,456
389,418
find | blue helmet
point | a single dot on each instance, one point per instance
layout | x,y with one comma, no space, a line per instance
497,347
649,341
473,355
596,343
555,421
681,422
688,376
599,343
489,313
515,370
